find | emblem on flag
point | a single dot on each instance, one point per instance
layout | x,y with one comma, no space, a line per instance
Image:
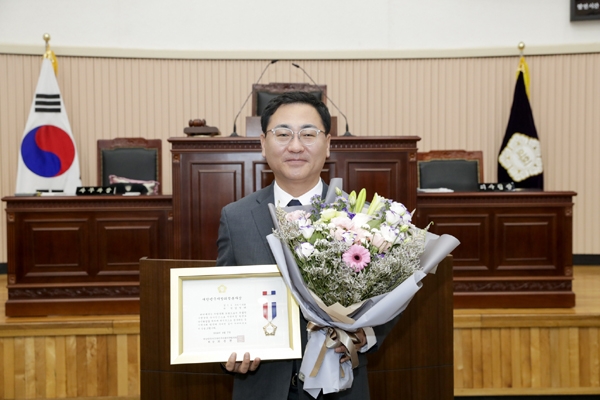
521,157
48,151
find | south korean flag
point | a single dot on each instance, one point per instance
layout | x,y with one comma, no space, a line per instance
48,155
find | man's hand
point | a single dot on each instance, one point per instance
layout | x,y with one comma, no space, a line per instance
362,340
243,366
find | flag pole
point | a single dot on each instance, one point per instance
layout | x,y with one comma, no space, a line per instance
523,67
49,54
520,156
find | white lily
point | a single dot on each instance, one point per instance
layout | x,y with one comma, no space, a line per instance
376,204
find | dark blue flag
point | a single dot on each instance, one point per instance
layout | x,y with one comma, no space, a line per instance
520,157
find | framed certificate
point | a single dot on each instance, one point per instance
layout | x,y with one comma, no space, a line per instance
216,311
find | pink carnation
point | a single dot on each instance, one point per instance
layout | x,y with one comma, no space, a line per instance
357,257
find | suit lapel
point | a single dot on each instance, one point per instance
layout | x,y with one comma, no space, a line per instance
325,188
262,216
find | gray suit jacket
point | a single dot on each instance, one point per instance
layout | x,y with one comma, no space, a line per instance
243,229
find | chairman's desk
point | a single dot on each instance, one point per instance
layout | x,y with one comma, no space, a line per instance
516,247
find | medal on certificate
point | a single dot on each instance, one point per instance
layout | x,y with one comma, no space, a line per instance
269,328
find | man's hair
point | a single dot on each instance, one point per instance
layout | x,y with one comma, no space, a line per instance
291,98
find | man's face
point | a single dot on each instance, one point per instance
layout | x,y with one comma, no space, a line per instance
296,167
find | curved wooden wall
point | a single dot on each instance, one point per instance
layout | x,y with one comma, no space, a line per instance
451,103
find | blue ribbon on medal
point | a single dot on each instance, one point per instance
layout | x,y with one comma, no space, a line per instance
269,328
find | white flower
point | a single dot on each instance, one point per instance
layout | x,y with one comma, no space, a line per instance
389,233
307,231
305,250
392,218
348,237
360,220
399,209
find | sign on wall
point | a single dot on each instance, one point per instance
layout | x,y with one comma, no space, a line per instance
582,10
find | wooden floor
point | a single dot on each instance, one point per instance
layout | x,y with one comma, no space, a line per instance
92,357
496,351
531,351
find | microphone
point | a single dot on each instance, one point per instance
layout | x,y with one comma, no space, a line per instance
347,133
234,133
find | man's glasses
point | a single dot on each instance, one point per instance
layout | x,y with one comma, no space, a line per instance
307,136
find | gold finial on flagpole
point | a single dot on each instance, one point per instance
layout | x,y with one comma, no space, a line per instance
47,40
50,54
523,67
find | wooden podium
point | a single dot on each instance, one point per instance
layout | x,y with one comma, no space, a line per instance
415,362
209,173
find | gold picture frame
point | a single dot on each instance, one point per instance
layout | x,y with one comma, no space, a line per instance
216,311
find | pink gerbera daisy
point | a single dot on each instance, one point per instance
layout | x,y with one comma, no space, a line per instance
357,257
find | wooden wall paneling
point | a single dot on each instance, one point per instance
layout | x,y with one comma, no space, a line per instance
471,227
528,239
38,260
450,103
121,240
207,175
199,165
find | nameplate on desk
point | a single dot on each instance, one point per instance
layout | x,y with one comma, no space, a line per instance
497,187
94,191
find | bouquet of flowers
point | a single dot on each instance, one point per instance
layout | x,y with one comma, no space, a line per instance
349,265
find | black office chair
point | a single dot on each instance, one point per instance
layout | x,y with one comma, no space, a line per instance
133,160
458,170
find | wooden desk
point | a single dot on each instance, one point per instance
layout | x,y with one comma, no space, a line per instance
516,247
413,363
80,255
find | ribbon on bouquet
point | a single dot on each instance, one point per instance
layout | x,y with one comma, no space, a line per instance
334,337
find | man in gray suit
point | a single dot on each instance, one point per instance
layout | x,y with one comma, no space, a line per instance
295,143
